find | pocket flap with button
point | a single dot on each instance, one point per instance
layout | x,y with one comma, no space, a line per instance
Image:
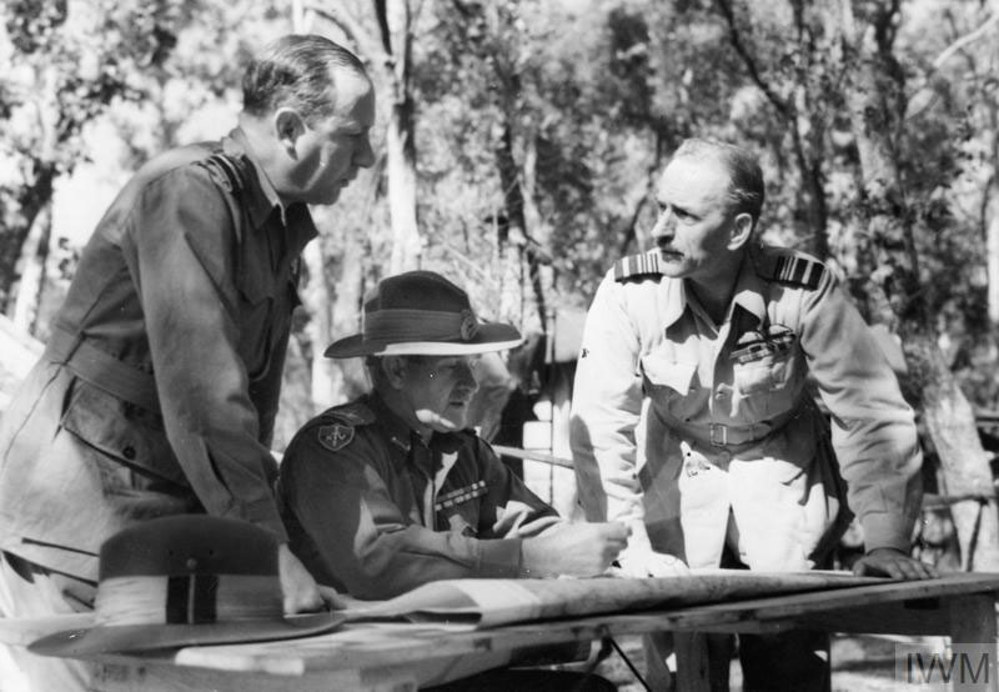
663,371
97,418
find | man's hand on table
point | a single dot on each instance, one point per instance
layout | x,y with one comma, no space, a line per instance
301,594
575,550
648,563
889,562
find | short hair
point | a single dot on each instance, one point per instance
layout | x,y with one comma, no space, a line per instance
297,71
747,189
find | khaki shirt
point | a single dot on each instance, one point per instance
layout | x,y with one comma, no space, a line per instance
700,434
372,510
184,291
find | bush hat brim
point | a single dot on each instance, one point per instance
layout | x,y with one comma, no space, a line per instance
422,313
183,580
132,638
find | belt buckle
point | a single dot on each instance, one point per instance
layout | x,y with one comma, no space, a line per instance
719,435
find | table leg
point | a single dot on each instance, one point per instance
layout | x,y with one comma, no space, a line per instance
693,666
973,642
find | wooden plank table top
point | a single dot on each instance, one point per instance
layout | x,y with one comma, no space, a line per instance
388,656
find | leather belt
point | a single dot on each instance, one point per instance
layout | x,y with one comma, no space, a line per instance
720,435
101,369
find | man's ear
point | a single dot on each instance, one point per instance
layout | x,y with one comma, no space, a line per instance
742,231
288,127
394,369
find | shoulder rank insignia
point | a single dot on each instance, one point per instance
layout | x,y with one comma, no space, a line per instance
797,270
355,413
646,264
335,437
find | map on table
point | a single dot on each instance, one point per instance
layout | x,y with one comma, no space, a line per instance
492,602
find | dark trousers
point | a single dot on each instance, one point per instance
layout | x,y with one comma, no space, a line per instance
795,661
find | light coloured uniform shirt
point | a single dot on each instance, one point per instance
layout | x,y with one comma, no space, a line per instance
699,434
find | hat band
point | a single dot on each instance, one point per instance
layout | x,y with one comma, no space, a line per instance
189,599
395,325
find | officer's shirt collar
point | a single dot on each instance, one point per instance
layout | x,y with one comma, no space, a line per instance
396,429
266,200
748,295
750,288
402,436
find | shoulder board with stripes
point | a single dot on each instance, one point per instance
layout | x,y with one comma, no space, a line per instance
798,271
226,171
646,264
355,413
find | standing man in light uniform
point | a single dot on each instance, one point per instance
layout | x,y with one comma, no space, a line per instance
160,383
731,462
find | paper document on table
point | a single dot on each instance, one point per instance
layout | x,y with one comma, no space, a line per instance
491,602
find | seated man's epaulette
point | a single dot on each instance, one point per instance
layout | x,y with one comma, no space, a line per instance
335,427
354,413
226,171
636,266
792,268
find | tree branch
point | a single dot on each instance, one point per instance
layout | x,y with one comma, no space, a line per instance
725,7
925,96
965,41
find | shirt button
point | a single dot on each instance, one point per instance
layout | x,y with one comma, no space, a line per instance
128,452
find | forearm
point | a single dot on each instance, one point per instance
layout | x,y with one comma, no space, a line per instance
403,560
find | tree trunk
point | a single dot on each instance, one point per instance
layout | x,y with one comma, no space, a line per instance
950,421
874,97
407,246
34,257
991,222
317,300
37,196
804,113
517,256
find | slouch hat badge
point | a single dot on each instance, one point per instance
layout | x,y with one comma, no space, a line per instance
469,325
335,437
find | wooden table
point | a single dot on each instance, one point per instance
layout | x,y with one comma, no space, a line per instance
961,607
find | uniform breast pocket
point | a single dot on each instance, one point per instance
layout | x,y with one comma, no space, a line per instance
667,376
769,386
767,374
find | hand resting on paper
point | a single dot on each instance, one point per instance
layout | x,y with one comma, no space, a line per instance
575,550
648,563
889,562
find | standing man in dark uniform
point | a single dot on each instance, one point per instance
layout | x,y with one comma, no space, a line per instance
694,422
159,387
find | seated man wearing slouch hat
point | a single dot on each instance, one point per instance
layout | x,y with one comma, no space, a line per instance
390,491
